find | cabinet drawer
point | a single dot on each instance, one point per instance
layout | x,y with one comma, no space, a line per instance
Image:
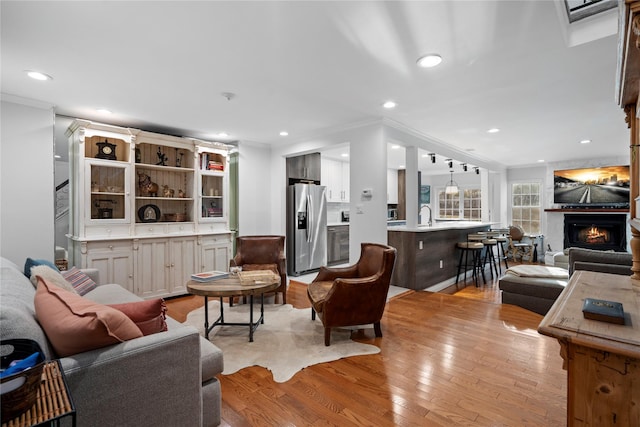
217,238
213,227
181,228
151,229
108,231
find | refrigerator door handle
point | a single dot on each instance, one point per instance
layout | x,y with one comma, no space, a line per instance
310,216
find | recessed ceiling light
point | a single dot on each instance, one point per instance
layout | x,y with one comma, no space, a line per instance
493,130
430,60
345,154
389,104
57,156
103,111
540,161
284,133
401,166
36,75
585,141
395,147
223,134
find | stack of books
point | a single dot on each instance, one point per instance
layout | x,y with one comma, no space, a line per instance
209,276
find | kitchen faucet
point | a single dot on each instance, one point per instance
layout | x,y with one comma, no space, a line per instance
430,222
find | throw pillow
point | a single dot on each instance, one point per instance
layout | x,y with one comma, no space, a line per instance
30,262
74,324
79,280
52,276
149,315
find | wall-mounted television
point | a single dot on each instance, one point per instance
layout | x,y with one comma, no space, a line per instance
606,186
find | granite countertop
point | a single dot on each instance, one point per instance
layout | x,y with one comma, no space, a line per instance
439,226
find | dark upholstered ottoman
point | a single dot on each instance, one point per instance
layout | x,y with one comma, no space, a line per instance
534,288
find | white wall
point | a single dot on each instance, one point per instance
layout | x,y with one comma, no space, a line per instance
368,171
553,222
254,189
26,181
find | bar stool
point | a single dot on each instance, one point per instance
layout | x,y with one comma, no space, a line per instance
489,243
500,234
473,247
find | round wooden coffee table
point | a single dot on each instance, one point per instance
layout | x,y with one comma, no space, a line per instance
233,287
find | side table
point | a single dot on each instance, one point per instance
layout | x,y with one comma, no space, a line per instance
53,402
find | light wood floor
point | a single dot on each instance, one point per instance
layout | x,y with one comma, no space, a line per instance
445,360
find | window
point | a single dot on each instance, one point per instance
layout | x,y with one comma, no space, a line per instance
448,205
472,204
469,199
525,206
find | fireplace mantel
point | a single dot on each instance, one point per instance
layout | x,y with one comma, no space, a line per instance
590,210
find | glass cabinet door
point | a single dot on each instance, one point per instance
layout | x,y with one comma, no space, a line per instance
109,190
212,196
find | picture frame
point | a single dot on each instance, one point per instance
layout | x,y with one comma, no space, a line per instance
425,194
149,213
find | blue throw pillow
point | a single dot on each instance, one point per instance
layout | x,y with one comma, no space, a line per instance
35,262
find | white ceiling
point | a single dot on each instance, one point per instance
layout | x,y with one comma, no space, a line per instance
305,67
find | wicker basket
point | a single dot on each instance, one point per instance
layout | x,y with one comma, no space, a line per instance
20,399
62,264
175,217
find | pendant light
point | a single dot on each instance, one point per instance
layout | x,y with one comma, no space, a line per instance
452,187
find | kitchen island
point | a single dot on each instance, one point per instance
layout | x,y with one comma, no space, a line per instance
427,255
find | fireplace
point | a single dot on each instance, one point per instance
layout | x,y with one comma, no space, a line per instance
596,231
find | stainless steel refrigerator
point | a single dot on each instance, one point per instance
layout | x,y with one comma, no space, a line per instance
306,228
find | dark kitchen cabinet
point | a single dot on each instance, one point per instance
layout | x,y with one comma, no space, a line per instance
337,244
306,168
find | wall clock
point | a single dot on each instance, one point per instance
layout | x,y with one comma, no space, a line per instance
106,150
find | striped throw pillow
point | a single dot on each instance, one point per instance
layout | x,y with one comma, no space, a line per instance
79,280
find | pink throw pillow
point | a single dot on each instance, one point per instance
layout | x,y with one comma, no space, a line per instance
74,324
148,315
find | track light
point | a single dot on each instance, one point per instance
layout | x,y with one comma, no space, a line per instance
464,166
433,157
449,162
477,169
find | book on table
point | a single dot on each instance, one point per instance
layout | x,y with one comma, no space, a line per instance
604,311
208,276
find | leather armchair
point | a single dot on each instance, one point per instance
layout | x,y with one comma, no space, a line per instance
354,295
263,253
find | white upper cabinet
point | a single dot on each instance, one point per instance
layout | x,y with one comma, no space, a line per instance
392,186
335,176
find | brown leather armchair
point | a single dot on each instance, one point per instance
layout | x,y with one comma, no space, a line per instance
354,295
262,253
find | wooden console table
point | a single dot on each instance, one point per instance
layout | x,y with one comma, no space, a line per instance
602,359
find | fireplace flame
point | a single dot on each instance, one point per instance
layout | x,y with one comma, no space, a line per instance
593,235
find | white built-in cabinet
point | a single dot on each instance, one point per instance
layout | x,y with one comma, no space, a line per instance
147,209
113,258
335,176
392,186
